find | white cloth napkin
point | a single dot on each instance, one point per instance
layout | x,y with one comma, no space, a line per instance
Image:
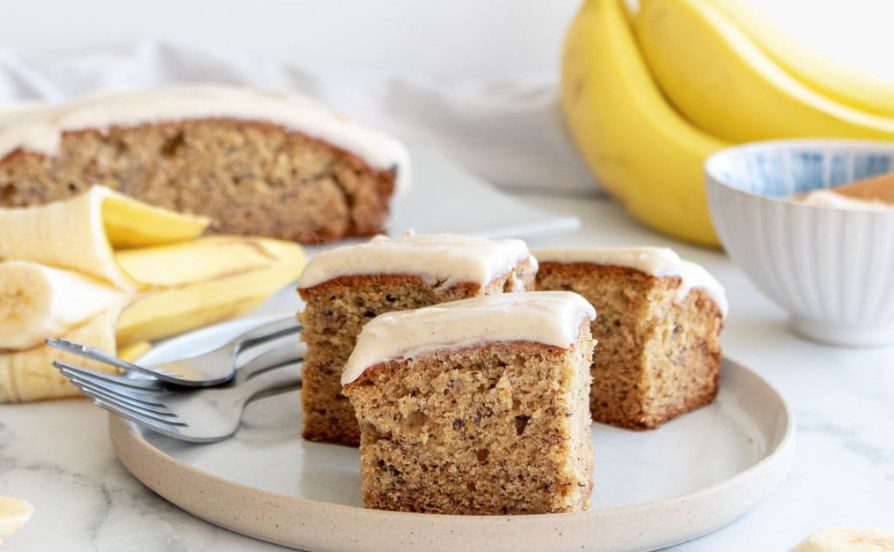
510,133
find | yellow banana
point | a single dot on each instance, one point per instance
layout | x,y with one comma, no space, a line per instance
726,85
640,148
840,83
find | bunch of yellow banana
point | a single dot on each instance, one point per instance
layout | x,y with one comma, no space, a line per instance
650,94
114,273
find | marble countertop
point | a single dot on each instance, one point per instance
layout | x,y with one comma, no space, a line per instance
58,456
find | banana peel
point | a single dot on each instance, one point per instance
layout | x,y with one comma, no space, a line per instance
642,150
210,293
200,260
255,269
839,82
133,352
79,233
130,223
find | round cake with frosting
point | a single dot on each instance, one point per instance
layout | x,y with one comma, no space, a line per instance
254,162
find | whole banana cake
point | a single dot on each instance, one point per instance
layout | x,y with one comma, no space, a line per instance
477,406
658,329
254,162
347,287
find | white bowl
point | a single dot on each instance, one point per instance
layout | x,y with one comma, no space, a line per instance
832,270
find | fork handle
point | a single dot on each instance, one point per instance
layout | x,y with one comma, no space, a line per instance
291,351
266,332
272,381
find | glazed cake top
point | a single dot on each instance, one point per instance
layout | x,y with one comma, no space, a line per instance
39,128
548,317
657,261
447,259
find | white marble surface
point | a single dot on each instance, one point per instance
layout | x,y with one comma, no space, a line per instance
57,455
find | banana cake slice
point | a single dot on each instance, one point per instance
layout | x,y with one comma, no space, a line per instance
659,324
347,287
254,162
477,406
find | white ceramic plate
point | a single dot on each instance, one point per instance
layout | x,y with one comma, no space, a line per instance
653,489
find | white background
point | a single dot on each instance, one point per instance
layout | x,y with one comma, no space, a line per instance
460,39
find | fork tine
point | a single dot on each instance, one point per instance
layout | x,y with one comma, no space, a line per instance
94,393
163,428
155,407
147,395
95,354
133,383
274,330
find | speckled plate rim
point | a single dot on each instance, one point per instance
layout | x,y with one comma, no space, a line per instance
311,525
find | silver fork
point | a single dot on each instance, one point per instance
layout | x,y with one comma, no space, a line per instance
194,415
203,368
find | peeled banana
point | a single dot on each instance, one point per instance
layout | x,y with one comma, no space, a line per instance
715,74
38,302
640,148
836,81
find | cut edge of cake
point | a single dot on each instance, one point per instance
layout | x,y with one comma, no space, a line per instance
479,408
346,287
659,355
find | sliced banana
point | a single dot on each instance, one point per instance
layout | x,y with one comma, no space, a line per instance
38,302
13,514
848,539
30,375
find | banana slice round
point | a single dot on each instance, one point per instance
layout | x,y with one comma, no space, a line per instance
38,302
13,514
848,539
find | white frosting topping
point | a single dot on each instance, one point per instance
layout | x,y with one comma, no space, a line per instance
828,198
657,261
40,129
548,317
446,258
